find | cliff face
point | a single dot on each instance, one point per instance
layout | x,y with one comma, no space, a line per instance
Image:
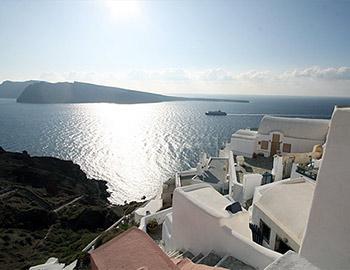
9,89
48,207
44,92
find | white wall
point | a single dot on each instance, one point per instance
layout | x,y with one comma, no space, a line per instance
277,169
159,216
150,207
231,172
301,145
199,231
250,182
167,232
297,145
244,147
257,214
326,242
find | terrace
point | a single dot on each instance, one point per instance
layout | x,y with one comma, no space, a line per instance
259,165
216,172
307,170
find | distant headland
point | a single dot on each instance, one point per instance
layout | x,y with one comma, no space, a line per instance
41,92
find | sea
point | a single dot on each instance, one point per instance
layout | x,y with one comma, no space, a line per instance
137,147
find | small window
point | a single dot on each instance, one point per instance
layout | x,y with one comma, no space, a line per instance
287,147
264,145
266,231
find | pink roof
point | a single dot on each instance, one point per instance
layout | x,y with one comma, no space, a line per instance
131,250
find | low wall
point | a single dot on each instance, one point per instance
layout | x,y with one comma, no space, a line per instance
250,182
150,207
167,232
159,216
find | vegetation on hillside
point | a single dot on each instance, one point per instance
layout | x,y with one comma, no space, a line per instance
34,226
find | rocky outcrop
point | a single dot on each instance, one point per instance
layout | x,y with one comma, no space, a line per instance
49,208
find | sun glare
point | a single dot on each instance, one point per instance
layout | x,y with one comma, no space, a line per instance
121,10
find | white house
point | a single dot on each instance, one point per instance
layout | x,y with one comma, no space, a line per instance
201,223
290,135
279,135
281,210
243,142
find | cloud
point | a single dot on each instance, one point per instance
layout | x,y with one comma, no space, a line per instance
218,74
312,80
330,73
255,75
52,77
224,75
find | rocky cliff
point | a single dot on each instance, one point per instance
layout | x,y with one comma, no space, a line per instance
49,208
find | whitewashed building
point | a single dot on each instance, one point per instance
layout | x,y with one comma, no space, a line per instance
281,210
279,135
306,215
201,223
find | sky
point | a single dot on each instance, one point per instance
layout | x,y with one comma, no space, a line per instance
181,47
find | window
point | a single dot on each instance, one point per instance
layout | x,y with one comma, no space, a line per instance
287,147
264,145
266,231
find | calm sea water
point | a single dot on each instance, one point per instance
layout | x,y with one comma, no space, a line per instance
137,147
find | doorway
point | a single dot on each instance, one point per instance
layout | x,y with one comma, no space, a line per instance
281,246
275,144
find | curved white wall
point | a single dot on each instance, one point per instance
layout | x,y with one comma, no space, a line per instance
326,242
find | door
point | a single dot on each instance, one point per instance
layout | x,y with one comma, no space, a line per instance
275,144
281,246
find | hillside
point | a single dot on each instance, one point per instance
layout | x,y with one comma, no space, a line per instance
37,219
10,89
78,92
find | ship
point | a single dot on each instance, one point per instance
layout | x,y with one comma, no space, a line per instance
218,112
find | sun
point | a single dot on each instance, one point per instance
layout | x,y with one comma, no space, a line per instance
123,9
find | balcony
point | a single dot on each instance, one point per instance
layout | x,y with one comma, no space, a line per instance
307,170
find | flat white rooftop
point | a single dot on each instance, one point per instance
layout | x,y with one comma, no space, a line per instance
288,205
245,134
216,172
213,203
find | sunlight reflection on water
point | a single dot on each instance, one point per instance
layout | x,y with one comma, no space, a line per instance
134,147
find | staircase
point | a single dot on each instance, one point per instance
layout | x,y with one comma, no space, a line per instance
231,263
211,259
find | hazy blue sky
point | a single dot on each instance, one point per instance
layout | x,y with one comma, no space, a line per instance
213,47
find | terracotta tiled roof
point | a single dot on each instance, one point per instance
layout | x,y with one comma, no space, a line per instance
131,250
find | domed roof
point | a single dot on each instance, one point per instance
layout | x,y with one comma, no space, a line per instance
301,128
